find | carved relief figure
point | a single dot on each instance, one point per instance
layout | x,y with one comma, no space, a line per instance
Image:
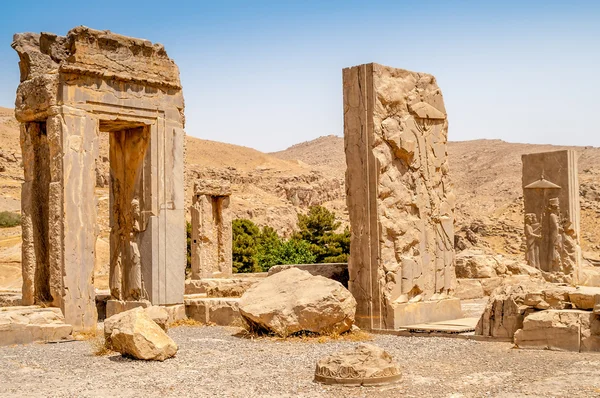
532,238
569,247
554,235
134,272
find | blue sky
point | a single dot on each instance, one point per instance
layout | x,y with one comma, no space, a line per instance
267,74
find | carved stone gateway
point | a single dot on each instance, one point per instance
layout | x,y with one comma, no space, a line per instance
399,200
211,230
551,200
74,89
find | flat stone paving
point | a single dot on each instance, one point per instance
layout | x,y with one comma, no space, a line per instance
213,362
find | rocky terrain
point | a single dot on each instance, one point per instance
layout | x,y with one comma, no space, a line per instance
272,188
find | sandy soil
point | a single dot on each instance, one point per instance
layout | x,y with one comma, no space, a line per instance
213,362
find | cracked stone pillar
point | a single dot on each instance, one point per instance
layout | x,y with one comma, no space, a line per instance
211,230
73,89
399,200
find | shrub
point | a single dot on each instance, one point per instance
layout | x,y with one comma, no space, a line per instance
9,219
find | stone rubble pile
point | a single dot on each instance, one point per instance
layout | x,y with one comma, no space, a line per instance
542,315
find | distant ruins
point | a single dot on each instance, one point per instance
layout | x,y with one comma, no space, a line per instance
551,201
73,89
399,200
211,230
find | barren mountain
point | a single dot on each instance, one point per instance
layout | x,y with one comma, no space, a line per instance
272,188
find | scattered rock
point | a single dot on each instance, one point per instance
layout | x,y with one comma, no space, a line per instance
584,298
552,329
364,364
159,315
135,334
467,289
293,300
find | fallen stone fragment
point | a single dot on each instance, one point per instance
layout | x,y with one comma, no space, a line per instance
558,330
292,301
159,315
584,298
135,334
365,364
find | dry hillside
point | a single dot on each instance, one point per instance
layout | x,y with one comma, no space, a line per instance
272,188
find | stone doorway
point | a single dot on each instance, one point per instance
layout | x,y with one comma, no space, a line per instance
73,89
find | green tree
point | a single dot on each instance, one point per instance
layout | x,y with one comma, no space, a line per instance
269,248
338,247
318,227
295,251
245,246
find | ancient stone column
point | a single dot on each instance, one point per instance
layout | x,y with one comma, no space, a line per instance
399,199
211,230
551,201
73,89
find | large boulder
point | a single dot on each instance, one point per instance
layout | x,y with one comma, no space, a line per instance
364,364
293,300
135,334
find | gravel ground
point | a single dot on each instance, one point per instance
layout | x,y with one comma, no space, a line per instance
214,362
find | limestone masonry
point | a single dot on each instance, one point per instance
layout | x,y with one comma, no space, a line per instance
551,200
74,89
399,199
211,230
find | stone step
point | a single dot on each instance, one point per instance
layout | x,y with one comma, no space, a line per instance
214,310
28,324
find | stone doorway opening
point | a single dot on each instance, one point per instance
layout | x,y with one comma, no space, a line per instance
128,143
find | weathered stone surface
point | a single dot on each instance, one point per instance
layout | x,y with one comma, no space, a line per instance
505,310
114,307
217,311
135,334
490,284
589,276
23,325
476,264
336,271
211,230
551,201
365,364
175,312
10,299
292,301
551,329
467,289
398,191
159,315
473,263
420,312
220,287
584,298
73,89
